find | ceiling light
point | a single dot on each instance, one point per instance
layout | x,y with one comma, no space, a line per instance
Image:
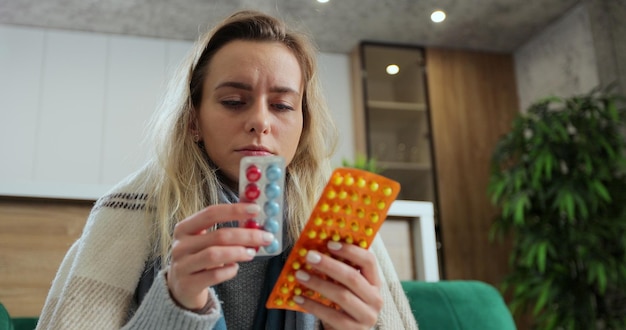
438,16
392,69
322,1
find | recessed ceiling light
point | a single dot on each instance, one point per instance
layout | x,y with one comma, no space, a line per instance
438,16
322,1
392,69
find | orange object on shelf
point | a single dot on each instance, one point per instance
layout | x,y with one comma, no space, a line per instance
351,209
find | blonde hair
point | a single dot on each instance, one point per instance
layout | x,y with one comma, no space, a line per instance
182,179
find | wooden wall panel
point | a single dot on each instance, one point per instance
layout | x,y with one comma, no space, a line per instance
34,237
473,100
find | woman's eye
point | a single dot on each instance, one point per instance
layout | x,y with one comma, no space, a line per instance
282,107
232,103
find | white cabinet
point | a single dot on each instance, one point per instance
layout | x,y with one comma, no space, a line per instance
74,108
69,125
21,57
135,75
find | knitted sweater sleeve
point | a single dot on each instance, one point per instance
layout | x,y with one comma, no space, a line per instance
95,284
158,311
396,313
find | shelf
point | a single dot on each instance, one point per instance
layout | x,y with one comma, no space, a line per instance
404,166
390,105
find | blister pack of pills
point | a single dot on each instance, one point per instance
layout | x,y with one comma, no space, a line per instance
351,209
262,181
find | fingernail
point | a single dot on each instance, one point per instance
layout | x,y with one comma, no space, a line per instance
313,257
335,246
253,208
298,300
303,276
251,252
268,237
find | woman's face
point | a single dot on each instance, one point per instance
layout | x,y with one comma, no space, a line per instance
251,104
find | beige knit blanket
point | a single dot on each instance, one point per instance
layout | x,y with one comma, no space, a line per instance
94,286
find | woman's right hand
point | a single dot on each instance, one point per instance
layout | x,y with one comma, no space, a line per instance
202,258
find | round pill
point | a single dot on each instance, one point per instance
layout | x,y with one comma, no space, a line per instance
250,223
252,192
273,172
360,182
341,222
253,173
302,252
360,213
387,191
297,291
324,207
354,226
369,231
278,301
336,208
349,180
291,303
312,233
374,217
331,194
272,190
296,265
367,200
271,225
284,289
347,209
363,243
318,221
271,208
291,277
381,205
273,247
343,194
374,186
349,239
323,235
337,180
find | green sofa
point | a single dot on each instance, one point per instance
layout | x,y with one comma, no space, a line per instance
458,305
443,305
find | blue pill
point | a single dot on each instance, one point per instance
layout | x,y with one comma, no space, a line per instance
272,190
273,173
273,247
271,208
271,225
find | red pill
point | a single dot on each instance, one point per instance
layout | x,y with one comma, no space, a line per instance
252,192
253,173
250,223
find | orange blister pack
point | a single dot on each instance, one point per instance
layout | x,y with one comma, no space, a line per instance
351,209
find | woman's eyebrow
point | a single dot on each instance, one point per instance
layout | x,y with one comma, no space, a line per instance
234,84
247,87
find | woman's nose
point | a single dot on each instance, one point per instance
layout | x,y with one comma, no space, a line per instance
258,120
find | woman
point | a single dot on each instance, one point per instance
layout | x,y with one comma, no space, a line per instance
162,249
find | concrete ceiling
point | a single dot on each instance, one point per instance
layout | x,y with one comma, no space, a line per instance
336,26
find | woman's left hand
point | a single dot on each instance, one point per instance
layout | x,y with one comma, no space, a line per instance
357,291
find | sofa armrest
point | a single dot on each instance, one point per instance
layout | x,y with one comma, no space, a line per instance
458,305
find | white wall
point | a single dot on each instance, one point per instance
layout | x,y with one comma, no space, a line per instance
560,61
74,105
335,79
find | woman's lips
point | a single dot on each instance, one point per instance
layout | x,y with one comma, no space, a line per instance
254,151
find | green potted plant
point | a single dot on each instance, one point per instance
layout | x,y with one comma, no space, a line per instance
558,179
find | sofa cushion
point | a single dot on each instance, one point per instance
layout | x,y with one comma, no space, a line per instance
458,305
5,319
